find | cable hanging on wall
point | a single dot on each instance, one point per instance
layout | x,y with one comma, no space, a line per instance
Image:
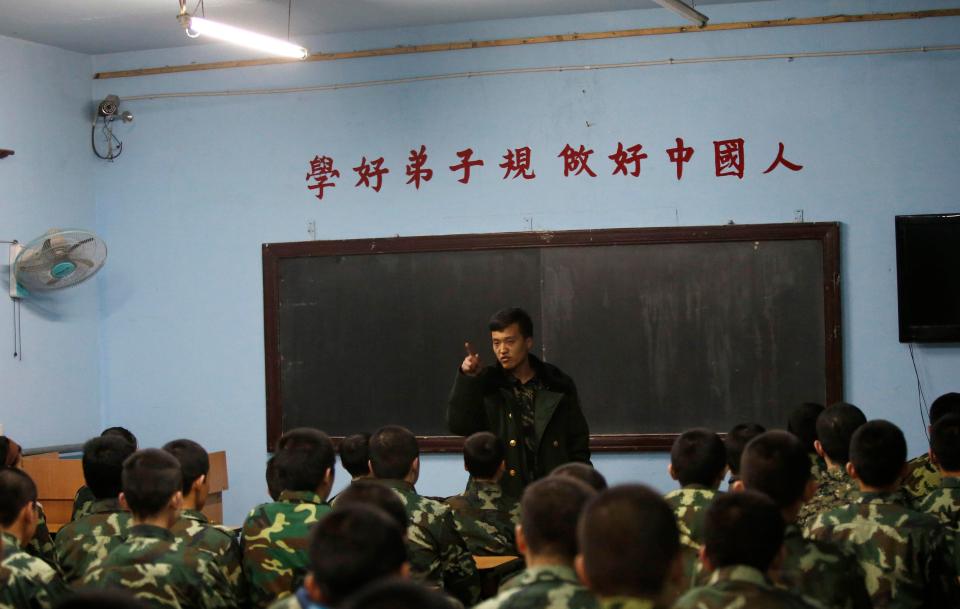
106,114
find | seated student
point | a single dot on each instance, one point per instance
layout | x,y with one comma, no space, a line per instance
396,593
835,427
355,458
901,550
735,442
698,461
151,563
776,464
922,475
547,538
629,548
41,544
944,502
351,547
438,554
484,516
193,527
373,494
582,472
802,423
84,543
27,581
84,499
275,535
743,536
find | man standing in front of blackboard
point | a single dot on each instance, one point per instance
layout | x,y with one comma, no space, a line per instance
531,405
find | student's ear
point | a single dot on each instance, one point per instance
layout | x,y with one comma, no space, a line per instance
671,471
817,446
313,588
933,458
199,485
737,487
27,521
810,489
123,502
176,501
370,467
522,546
581,569
328,477
415,469
852,471
528,341
705,560
405,570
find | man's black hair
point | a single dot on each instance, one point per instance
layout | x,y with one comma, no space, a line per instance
549,510
803,424
302,459
121,432
17,489
504,318
736,441
355,454
103,459
583,473
483,454
396,593
392,451
150,478
628,539
193,458
372,493
835,427
945,442
353,546
946,404
101,599
776,464
698,456
743,529
274,484
878,452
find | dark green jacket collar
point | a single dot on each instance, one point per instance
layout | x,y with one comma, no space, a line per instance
106,506
150,531
740,573
300,497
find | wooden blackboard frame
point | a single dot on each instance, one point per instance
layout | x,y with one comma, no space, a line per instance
826,233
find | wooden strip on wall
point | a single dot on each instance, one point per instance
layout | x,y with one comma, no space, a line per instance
506,42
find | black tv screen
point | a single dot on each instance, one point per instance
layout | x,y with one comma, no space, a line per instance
928,277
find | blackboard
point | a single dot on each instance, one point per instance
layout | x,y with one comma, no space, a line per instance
662,329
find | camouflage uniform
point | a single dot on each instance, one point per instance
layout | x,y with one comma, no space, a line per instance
626,602
901,551
818,467
690,504
83,544
486,518
276,542
554,586
194,528
821,571
41,545
944,503
162,571
438,554
740,586
82,503
836,489
922,478
27,581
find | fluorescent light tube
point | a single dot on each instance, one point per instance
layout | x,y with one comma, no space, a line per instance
684,10
245,38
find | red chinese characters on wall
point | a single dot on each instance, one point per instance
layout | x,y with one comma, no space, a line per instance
729,159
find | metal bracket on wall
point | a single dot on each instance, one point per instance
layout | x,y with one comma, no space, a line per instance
4,153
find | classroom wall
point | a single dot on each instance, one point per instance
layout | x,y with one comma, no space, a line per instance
52,395
204,181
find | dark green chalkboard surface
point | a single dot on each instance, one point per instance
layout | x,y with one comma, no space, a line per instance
662,329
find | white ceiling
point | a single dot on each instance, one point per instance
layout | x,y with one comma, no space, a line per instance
110,26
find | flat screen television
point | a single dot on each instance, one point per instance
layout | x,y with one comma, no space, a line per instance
928,277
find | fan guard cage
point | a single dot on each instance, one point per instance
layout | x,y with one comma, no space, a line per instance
60,259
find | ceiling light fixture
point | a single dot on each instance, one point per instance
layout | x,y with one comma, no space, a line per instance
684,10
195,26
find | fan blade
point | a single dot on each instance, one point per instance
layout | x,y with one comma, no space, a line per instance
53,281
83,261
79,243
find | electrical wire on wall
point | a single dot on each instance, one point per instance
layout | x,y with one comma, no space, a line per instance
107,112
921,398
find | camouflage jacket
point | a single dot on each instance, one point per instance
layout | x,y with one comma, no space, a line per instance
921,479
27,581
194,528
818,467
486,518
901,551
740,586
627,602
293,601
41,545
836,489
276,542
821,571
83,544
690,504
162,571
437,552
944,503
554,586
82,503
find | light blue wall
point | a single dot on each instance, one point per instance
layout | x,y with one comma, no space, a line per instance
52,395
204,181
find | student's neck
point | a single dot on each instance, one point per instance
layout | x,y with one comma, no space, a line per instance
866,488
487,480
161,520
190,503
523,371
546,560
15,532
832,465
361,477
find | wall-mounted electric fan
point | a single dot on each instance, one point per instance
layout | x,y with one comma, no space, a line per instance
58,259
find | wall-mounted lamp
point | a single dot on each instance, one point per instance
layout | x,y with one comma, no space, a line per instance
195,26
